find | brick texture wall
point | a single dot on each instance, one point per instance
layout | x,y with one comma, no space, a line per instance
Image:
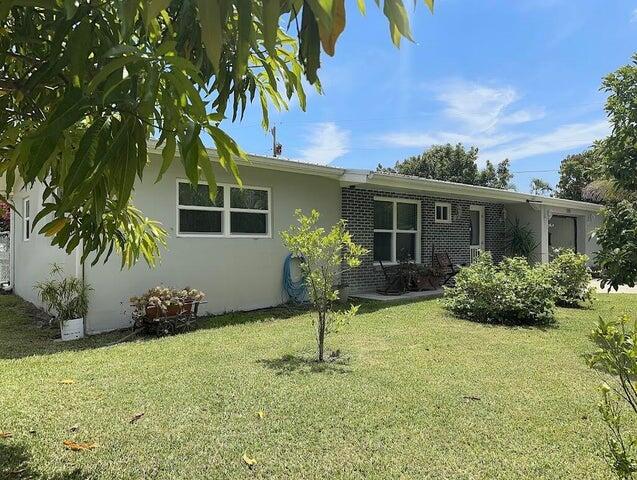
358,210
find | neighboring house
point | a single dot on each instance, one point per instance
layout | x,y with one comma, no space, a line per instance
233,251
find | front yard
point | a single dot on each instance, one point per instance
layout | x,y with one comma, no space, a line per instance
416,393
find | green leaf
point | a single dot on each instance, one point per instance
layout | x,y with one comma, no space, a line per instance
244,11
108,69
270,21
395,12
79,46
152,9
167,154
211,30
206,168
430,4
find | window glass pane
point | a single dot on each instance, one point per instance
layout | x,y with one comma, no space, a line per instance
406,213
383,215
442,212
199,196
247,198
27,229
405,246
382,246
248,222
199,221
474,228
27,208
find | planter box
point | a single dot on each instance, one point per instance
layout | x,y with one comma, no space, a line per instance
72,329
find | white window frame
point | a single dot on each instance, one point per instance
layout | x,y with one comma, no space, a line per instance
446,205
395,230
226,211
26,219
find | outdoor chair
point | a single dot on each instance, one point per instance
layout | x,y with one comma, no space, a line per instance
448,270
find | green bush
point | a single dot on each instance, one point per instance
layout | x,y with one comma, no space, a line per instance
513,292
571,277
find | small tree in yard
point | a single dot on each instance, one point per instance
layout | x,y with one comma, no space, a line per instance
322,256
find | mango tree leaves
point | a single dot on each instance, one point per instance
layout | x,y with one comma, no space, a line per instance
84,85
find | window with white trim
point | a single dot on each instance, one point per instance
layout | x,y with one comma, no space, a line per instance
26,219
235,211
396,230
443,212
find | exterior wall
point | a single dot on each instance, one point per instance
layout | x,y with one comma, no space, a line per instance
235,273
531,217
453,238
537,218
32,259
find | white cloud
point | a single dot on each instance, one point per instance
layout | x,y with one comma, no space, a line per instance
633,16
486,116
482,108
565,137
424,140
326,143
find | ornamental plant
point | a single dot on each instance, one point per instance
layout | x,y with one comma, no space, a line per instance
572,278
322,255
616,356
513,292
162,298
64,297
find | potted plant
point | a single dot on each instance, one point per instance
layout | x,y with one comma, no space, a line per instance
163,301
66,298
190,296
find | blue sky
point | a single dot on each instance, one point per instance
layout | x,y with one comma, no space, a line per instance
517,78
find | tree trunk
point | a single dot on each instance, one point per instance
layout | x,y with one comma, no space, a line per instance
320,337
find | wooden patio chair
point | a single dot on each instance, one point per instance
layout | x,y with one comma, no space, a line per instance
443,263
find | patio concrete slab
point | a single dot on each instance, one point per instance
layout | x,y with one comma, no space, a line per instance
622,289
396,298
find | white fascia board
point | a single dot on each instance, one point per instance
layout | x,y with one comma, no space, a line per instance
482,193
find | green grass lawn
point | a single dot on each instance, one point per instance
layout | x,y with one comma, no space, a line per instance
416,393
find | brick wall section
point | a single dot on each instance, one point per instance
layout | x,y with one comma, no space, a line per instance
358,210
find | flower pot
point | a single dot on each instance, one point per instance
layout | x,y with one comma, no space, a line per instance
173,310
152,312
72,329
187,307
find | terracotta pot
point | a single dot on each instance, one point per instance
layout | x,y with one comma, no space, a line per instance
152,312
173,310
187,307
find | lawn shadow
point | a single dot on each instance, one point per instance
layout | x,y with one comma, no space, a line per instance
291,364
23,335
372,306
281,312
15,465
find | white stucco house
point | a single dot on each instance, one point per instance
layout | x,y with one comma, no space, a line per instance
233,252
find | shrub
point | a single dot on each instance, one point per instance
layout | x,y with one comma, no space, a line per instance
513,292
520,240
571,277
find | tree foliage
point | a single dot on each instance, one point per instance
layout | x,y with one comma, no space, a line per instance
85,84
577,172
454,163
322,255
617,235
540,187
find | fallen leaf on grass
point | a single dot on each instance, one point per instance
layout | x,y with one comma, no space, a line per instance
261,414
5,434
136,417
250,462
78,447
68,381
471,397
